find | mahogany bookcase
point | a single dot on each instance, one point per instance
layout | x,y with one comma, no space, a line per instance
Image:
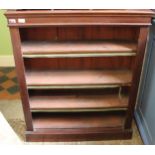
78,71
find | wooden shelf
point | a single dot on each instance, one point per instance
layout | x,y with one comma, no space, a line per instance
86,121
70,103
32,49
77,78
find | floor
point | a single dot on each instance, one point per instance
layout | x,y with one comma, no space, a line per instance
8,84
11,107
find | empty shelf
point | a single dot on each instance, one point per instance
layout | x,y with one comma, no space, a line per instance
75,48
77,78
80,121
78,103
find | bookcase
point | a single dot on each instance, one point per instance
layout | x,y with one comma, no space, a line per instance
78,71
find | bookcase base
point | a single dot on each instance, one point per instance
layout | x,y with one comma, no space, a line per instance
40,136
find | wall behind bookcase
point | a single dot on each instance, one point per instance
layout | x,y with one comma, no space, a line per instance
6,52
5,41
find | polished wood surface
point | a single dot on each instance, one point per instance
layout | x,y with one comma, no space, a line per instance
80,17
77,47
133,12
80,33
70,100
136,75
77,135
77,77
76,120
78,103
85,65
15,37
80,63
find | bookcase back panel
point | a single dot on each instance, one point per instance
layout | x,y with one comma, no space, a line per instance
106,91
80,63
70,33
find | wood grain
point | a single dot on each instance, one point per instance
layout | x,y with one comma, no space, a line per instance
74,120
76,78
80,63
78,103
134,12
136,75
80,17
52,82
15,37
77,47
114,133
80,33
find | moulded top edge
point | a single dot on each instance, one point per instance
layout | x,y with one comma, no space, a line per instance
122,12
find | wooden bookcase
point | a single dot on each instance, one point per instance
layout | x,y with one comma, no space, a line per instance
78,71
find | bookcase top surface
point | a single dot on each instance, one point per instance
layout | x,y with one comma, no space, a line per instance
82,11
59,17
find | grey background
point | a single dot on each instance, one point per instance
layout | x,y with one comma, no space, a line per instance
145,108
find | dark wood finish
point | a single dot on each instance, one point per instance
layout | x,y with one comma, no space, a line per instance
82,63
79,33
136,76
44,136
80,17
82,121
78,103
58,51
77,78
21,76
103,128
124,90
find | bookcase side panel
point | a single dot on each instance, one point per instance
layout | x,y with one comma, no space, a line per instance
136,74
15,37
